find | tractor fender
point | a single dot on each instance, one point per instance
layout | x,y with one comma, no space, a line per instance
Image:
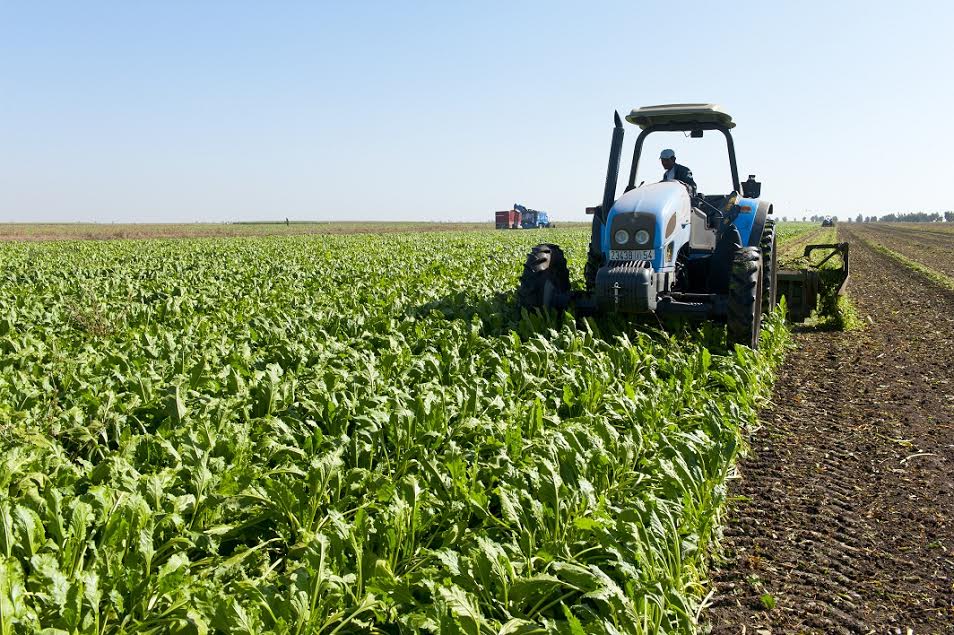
762,211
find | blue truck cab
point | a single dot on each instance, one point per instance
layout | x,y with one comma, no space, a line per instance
532,218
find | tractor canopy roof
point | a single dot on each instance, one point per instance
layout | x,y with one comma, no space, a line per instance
681,116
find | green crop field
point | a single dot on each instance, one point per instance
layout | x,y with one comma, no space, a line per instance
793,236
334,434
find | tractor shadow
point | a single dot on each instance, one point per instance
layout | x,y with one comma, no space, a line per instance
499,317
497,312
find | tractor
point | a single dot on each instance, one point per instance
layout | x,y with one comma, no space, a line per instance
663,248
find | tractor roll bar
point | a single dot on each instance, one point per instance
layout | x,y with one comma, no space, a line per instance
684,127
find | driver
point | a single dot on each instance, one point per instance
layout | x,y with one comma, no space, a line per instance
674,171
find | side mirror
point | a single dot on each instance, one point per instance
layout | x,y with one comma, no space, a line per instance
594,210
751,188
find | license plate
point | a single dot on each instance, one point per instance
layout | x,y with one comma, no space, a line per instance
632,254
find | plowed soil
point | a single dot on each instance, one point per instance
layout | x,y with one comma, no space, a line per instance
932,248
843,520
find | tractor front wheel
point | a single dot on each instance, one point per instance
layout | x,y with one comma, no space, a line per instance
545,283
744,321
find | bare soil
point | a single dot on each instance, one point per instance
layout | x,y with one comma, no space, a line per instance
843,518
933,248
942,228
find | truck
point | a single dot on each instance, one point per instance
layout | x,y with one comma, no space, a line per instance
521,217
532,218
507,219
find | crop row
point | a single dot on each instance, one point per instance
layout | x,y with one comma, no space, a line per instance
336,434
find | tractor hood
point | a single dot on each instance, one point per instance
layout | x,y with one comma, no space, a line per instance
658,198
662,209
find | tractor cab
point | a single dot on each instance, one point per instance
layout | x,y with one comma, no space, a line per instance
696,119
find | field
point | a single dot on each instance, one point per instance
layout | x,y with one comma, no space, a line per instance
360,433
795,236
357,433
130,231
927,245
843,520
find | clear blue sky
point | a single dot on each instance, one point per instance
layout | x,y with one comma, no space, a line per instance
174,111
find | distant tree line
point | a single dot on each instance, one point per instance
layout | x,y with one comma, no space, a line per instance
895,217
917,217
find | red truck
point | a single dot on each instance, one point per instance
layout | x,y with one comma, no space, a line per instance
508,219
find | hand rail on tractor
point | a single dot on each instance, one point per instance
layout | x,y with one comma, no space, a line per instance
837,248
802,287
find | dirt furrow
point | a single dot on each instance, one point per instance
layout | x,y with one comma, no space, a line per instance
890,235
926,229
844,520
933,251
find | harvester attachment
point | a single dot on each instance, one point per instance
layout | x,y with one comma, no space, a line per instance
803,287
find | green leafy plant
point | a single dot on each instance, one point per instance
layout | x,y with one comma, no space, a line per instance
334,434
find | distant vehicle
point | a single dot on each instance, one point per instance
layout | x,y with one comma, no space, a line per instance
507,219
521,217
532,218
828,222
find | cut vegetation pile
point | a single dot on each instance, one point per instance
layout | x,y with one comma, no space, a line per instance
336,434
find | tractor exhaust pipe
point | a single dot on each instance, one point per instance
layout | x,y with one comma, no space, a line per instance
609,189
612,170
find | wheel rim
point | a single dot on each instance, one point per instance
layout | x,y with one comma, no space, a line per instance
548,290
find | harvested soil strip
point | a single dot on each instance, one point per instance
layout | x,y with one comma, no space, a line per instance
934,228
944,239
933,250
844,521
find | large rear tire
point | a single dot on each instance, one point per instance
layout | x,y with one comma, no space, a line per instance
744,321
593,264
769,267
545,282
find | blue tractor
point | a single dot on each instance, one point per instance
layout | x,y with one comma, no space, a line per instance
664,248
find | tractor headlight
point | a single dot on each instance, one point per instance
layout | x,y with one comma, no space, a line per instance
642,237
621,236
